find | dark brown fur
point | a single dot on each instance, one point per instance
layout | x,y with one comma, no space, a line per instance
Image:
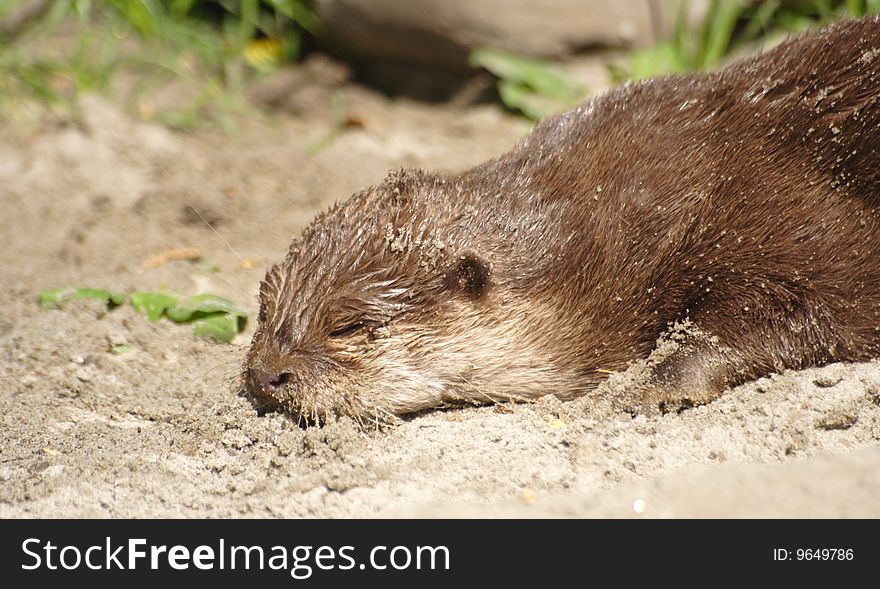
744,201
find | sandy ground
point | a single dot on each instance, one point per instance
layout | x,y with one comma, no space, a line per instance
160,431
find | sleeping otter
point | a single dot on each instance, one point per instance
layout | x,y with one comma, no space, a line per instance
743,202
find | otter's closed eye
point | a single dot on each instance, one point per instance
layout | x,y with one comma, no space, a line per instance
350,329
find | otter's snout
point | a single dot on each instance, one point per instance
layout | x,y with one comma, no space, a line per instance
266,383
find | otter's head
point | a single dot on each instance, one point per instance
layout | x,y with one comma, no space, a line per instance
401,299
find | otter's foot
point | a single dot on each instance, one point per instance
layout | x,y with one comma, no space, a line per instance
688,367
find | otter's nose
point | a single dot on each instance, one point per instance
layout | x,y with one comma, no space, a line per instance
267,381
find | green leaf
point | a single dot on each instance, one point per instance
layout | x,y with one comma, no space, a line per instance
154,304
180,8
663,58
55,296
144,15
220,326
521,98
538,75
119,349
51,297
200,306
212,316
529,85
112,299
298,11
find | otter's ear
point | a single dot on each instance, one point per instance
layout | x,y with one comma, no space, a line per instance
471,275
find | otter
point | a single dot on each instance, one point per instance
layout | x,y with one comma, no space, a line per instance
742,202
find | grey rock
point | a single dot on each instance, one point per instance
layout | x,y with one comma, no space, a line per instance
441,33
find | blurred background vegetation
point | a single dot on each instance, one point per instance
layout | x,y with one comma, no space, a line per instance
731,25
54,50
51,51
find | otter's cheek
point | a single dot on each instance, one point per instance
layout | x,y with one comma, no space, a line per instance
480,358
401,381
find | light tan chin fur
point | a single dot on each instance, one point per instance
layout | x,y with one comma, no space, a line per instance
471,359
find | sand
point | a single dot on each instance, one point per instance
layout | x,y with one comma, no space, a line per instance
160,430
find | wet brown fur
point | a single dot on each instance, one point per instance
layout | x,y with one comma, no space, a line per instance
744,202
